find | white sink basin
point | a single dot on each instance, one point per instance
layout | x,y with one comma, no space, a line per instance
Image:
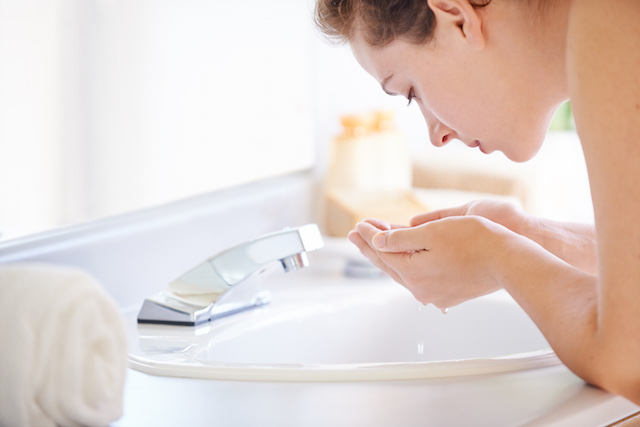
322,326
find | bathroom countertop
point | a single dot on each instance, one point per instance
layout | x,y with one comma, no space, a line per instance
540,397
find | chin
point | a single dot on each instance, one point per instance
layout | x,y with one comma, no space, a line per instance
520,157
524,152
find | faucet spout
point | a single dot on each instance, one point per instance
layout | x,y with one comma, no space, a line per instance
294,262
225,283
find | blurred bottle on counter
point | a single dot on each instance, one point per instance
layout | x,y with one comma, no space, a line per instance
369,155
369,174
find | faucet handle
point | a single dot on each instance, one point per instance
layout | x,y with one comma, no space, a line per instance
311,237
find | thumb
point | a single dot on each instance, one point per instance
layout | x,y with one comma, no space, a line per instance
400,240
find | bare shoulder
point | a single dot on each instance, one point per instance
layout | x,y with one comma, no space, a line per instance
603,57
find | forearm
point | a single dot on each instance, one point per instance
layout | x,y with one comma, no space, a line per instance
573,243
560,299
587,333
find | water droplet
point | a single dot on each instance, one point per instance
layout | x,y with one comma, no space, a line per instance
444,310
421,348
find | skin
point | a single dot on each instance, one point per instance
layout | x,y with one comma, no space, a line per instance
492,77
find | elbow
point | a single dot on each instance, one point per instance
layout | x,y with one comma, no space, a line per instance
627,387
615,375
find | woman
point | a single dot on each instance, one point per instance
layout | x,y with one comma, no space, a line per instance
491,75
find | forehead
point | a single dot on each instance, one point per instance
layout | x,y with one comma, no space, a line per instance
397,57
376,61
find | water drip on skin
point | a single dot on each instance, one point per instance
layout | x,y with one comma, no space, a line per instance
444,310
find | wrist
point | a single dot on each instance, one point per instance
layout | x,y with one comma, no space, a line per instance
518,252
531,227
501,245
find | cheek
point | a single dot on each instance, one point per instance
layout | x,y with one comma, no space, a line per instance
476,110
468,118
460,104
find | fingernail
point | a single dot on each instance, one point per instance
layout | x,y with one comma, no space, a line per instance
379,240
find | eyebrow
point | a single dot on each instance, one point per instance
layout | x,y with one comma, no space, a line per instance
384,83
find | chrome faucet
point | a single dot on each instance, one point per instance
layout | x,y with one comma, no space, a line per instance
229,282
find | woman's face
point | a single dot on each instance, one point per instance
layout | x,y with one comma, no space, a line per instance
478,94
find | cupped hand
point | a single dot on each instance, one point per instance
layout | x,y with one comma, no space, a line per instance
442,261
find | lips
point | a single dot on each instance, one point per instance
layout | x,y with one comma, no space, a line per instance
475,143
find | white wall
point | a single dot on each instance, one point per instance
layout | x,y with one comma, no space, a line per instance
112,105
30,93
196,95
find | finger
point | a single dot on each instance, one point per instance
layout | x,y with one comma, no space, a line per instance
394,226
379,224
372,255
395,265
400,240
436,215
383,225
405,265
367,230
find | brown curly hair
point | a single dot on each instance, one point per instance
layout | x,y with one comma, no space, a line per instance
381,21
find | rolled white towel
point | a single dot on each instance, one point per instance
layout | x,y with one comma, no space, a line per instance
62,348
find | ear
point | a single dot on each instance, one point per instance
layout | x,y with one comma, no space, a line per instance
462,17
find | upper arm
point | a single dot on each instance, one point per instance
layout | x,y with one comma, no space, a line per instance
604,80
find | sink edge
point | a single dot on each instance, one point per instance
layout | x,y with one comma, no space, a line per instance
346,372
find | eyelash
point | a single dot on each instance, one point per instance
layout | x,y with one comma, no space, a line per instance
410,96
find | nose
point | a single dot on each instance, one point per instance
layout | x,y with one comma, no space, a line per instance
439,133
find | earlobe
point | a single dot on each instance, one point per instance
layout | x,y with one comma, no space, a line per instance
463,15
